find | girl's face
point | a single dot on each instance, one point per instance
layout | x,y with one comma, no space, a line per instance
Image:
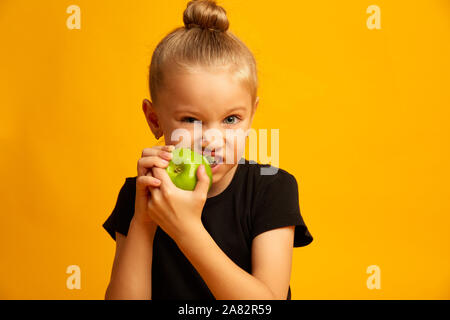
217,101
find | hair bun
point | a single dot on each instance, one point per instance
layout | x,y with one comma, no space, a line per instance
205,14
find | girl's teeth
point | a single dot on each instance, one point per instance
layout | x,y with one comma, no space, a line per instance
213,161
210,159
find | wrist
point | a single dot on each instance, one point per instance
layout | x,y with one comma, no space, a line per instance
148,226
189,233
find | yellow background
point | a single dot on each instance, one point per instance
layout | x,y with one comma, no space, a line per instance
363,118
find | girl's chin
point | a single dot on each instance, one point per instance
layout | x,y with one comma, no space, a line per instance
216,168
219,170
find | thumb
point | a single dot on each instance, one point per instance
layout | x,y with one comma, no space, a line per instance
203,181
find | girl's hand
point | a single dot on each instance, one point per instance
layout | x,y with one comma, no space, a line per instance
155,157
178,212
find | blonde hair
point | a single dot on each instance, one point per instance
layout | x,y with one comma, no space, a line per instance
205,42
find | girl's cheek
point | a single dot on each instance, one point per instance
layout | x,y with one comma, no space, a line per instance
181,137
234,151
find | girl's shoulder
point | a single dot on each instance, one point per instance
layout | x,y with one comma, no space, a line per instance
265,178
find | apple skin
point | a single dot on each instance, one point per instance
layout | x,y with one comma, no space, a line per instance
182,169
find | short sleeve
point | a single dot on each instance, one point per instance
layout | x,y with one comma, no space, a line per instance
120,218
277,206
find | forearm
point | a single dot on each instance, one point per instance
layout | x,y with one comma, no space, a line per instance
225,279
131,273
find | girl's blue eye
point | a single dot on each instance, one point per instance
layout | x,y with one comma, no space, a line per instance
231,119
189,119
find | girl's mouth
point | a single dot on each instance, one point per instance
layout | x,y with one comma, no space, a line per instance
214,160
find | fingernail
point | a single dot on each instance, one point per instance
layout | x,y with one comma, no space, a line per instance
166,155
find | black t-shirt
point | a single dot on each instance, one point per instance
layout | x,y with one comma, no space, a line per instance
251,204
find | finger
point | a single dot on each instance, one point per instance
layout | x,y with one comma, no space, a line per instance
169,148
153,151
203,181
162,153
143,183
165,155
155,194
146,163
162,175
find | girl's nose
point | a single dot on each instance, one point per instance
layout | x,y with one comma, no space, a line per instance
213,142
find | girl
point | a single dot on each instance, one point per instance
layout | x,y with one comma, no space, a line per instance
233,240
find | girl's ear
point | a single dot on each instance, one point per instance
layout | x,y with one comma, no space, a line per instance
152,118
255,106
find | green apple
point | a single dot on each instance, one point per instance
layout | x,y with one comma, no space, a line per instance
182,169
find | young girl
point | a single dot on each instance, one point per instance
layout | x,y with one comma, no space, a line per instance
232,240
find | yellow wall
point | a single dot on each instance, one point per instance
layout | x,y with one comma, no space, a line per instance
363,118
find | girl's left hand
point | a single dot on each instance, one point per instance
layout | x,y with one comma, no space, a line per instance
178,212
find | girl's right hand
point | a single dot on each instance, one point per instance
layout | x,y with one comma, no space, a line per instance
157,156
